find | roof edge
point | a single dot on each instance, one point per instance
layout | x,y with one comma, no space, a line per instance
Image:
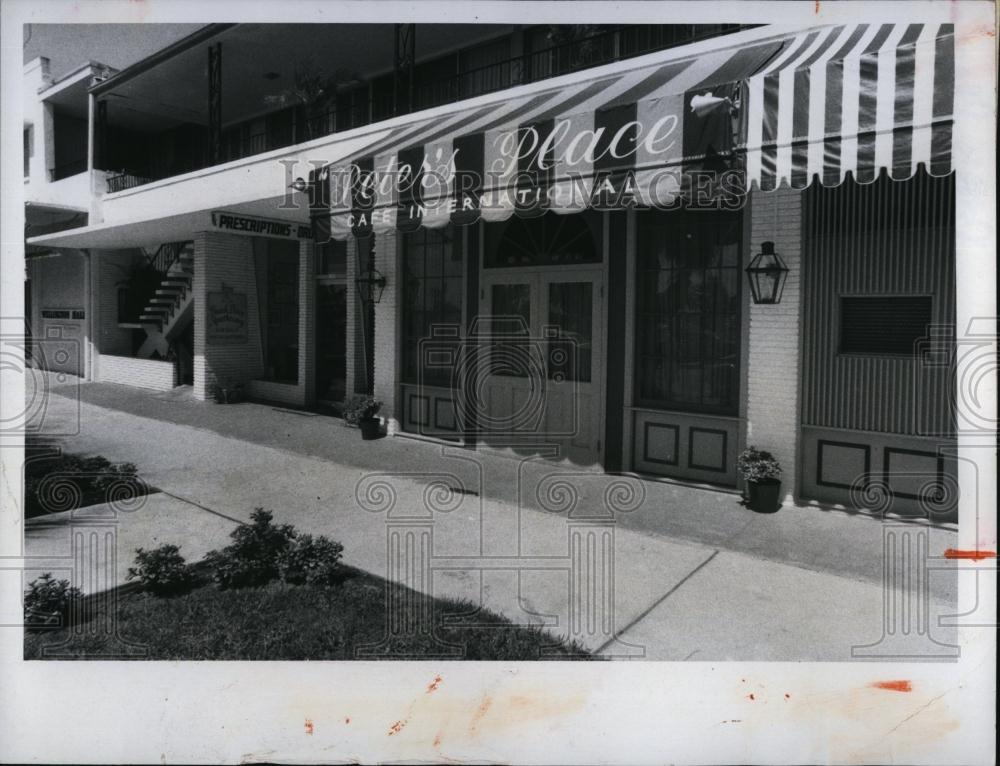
164,54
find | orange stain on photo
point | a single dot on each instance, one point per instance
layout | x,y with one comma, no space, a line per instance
434,684
480,712
976,555
893,686
309,726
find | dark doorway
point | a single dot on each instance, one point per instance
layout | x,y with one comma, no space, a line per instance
331,342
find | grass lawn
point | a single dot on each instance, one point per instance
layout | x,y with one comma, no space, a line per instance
302,622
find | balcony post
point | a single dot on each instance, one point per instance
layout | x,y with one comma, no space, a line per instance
403,60
215,102
101,147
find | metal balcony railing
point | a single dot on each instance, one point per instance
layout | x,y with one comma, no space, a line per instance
370,103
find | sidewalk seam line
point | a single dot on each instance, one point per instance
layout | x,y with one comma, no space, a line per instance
202,507
645,613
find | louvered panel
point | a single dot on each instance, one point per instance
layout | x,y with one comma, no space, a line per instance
885,251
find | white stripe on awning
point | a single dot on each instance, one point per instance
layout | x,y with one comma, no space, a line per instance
883,104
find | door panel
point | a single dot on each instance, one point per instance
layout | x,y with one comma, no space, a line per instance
543,384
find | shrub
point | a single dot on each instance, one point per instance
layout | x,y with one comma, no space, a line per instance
757,465
311,561
161,571
360,407
252,558
79,481
48,600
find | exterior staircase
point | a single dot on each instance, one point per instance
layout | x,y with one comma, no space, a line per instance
169,310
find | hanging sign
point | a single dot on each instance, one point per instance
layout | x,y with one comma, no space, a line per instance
237,223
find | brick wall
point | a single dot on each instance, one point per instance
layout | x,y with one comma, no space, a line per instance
386,332
307,321
218,259
774,364
353,351
144,373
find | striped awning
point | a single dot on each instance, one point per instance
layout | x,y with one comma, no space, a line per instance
852,100
822,103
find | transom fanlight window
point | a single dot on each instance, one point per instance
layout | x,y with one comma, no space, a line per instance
549,240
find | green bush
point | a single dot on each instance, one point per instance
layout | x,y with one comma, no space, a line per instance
161,571
48,600
311,561
252,557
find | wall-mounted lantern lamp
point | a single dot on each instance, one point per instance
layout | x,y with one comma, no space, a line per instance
370,285
767,274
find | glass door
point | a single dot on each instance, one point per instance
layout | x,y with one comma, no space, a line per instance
542,380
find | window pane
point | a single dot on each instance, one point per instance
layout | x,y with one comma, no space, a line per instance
432,298
550,239
883,324
570,310
688,310
332,259
510,322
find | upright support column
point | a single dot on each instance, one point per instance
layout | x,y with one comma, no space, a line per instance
351,323
405,55
215,102
774,365
307,320
224,262
101,149
386,346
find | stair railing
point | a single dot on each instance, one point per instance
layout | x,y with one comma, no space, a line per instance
166,255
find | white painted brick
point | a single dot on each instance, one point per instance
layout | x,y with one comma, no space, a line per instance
386,332
774,361
224,259
142,373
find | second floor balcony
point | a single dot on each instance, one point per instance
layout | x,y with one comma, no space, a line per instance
234,91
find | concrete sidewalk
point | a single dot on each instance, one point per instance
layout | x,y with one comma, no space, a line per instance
694,575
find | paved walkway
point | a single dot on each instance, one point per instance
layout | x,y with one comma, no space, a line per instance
695,575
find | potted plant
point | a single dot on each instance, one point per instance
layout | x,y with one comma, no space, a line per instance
360,410
226,390
762,473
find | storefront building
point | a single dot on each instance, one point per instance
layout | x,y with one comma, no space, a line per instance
559,267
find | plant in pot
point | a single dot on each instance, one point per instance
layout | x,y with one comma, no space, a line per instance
360,410
226,390
762,474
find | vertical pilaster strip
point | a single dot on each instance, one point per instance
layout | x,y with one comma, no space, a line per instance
215,102
774,366
352,358
386,340
307,321
198,287
615,254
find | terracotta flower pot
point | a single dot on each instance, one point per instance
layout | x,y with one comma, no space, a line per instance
764,496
